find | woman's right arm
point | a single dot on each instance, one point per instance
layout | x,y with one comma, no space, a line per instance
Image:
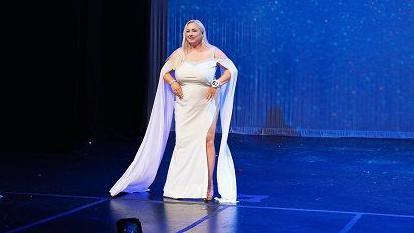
175,58
175,86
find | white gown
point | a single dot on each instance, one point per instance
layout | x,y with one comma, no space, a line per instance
194,115
188,172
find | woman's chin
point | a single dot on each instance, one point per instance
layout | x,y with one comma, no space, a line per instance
194,43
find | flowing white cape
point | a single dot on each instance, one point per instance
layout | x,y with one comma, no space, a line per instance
142,171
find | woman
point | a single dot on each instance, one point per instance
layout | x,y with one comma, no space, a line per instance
189,75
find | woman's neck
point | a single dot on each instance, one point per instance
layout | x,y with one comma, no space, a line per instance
197,47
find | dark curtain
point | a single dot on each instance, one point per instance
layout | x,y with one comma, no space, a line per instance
77,71
157,46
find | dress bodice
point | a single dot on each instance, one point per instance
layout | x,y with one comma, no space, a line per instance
202,72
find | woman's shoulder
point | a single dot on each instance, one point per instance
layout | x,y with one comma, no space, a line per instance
178,52
217,52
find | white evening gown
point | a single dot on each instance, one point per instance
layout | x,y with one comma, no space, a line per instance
194,115
188,172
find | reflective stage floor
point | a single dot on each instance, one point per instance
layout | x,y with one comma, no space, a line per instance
285,184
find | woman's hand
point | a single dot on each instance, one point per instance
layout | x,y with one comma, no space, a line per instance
176,89
211,92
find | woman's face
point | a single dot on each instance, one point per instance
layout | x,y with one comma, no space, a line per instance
193,34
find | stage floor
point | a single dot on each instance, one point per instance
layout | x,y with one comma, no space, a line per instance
285,184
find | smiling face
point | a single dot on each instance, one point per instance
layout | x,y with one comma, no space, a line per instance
193,34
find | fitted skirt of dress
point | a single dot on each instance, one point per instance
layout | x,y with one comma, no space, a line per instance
188,171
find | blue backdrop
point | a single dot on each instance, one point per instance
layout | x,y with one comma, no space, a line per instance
313,68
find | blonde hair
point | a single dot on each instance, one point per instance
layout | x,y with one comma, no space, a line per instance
204,42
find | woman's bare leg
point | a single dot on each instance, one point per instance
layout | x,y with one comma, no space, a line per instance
211,154
211,159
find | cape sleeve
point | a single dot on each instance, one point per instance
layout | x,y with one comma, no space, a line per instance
143,169
226,177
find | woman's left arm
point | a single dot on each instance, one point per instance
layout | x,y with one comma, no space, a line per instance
224,78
